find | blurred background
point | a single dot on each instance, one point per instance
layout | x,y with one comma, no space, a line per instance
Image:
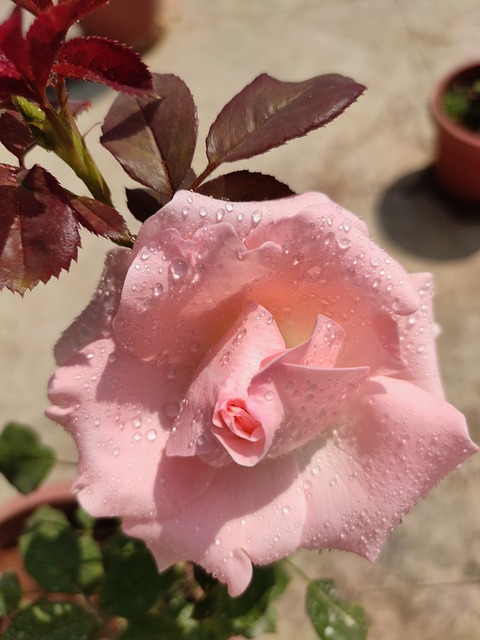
374,160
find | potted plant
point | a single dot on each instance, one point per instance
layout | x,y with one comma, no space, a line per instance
455,107
136,24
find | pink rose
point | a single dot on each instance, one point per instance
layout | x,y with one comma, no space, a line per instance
253,378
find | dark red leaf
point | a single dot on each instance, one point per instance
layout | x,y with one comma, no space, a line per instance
14,61
245,186
38,230
34,6
143,203
268,112
81,8
106,61
45,38
154,138
15,134
100,219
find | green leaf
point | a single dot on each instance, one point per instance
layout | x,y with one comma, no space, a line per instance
51,552
250,614
24,460
90,570
128,566
332,617
152,626
52,621
268,112
10,592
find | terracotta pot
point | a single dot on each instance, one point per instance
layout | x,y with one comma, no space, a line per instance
457,157
13,516
133,22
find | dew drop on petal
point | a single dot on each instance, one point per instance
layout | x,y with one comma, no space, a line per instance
137,422
269,395
157,289
229,207
178,269
286,510
116,451
151,435
256,217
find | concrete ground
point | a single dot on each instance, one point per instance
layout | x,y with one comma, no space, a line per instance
373,160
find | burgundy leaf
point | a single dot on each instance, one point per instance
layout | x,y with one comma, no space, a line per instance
81,8
45,38
154,138
34,6
268,112
15,134
38,231
99,218
245,186
106,61
143,203
14,61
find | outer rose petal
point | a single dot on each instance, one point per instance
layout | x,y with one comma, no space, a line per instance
249,514
95,321
297,257
417,339
117,409
394,444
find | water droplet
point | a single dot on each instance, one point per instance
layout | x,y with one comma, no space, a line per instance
151,435
145,255
239,217
315,470
269,395
90,356
229,207
307,485
241,334
157,289
256,217
189,199
218,541
219,215
137,422
286,510
137,437
116,451
178,269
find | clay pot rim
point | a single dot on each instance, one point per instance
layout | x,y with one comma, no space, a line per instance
14,512
443,119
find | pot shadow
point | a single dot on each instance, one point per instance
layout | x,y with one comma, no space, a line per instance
420,217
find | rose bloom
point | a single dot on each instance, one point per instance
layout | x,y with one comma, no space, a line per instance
253,378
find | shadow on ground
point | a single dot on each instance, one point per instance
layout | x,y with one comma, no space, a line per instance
421,218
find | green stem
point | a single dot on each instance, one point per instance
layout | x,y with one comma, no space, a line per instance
68,144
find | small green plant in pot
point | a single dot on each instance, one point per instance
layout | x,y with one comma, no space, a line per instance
455,108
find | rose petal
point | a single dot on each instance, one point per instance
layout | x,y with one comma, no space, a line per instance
117,410
397,442
224,375
260,522
95,321
322,261
418,340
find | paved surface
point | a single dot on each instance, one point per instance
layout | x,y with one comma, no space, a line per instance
375,161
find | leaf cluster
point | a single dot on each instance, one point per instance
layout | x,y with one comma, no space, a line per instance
151,130
95,582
